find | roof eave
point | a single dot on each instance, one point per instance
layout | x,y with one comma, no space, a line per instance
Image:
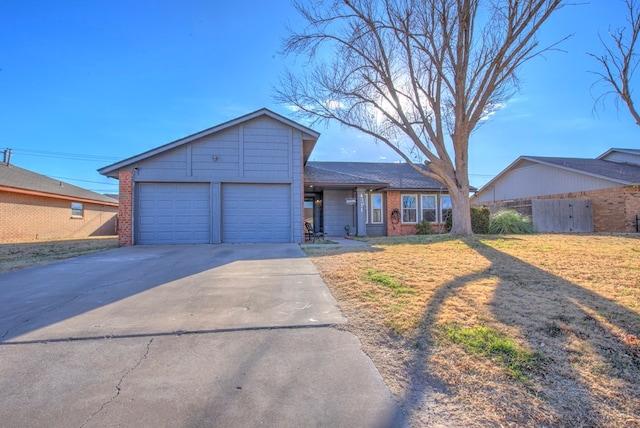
378,185
308,134
500,174
614,149
56,196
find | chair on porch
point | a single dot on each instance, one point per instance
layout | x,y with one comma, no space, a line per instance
309,234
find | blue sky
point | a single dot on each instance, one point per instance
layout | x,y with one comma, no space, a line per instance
86,83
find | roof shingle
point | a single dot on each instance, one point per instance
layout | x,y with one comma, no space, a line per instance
622,172
20,178
391,175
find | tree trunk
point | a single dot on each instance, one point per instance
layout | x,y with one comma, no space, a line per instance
460,212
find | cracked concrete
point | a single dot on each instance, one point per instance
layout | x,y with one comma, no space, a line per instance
216,336
118,389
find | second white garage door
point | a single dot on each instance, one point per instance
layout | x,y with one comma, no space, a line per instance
256,213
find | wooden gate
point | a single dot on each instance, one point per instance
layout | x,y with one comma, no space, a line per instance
562,215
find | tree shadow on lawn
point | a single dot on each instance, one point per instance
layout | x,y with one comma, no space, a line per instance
591,366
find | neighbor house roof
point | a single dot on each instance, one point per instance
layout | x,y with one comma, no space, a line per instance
370,174
622,173
309,138
19,180
616,172
635,152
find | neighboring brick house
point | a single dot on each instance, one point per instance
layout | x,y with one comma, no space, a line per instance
249,180
611,183
34,207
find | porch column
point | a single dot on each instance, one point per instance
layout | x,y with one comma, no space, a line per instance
361,213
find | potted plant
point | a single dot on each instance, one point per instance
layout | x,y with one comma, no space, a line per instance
347,228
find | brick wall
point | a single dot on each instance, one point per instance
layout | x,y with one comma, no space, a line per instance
30,217
125,212
394,202
632,207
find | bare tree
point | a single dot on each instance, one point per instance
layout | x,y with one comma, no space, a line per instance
620,60
418,75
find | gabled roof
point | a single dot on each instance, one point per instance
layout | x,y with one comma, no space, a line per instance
635,152
622,173
390,175
309,136
19,180
619,172
319,176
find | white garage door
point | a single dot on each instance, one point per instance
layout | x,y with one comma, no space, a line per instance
256,213
173,213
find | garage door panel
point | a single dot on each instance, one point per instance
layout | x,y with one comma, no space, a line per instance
256,213
173,213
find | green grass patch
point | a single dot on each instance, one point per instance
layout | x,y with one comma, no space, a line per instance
385,280
487,342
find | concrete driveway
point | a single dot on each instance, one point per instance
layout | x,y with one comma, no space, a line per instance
182,336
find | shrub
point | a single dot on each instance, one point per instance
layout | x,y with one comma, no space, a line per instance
424,228
510,222
480,220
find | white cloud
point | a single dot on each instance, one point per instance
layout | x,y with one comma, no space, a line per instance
333,104
491,110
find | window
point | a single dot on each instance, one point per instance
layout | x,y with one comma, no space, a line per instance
376,208
77,210
429,207
445,206
409,208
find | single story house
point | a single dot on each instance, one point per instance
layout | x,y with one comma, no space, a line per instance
610,182
387,199
33,207
249,180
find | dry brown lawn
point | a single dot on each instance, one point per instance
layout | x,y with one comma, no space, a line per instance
18,255
565,308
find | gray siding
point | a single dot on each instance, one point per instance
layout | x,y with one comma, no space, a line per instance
376,230
297,184
224,146
259,151
539,180
337,213
172,163
623,158
265,138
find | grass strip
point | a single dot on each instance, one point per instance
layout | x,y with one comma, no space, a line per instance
491,343
385,280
